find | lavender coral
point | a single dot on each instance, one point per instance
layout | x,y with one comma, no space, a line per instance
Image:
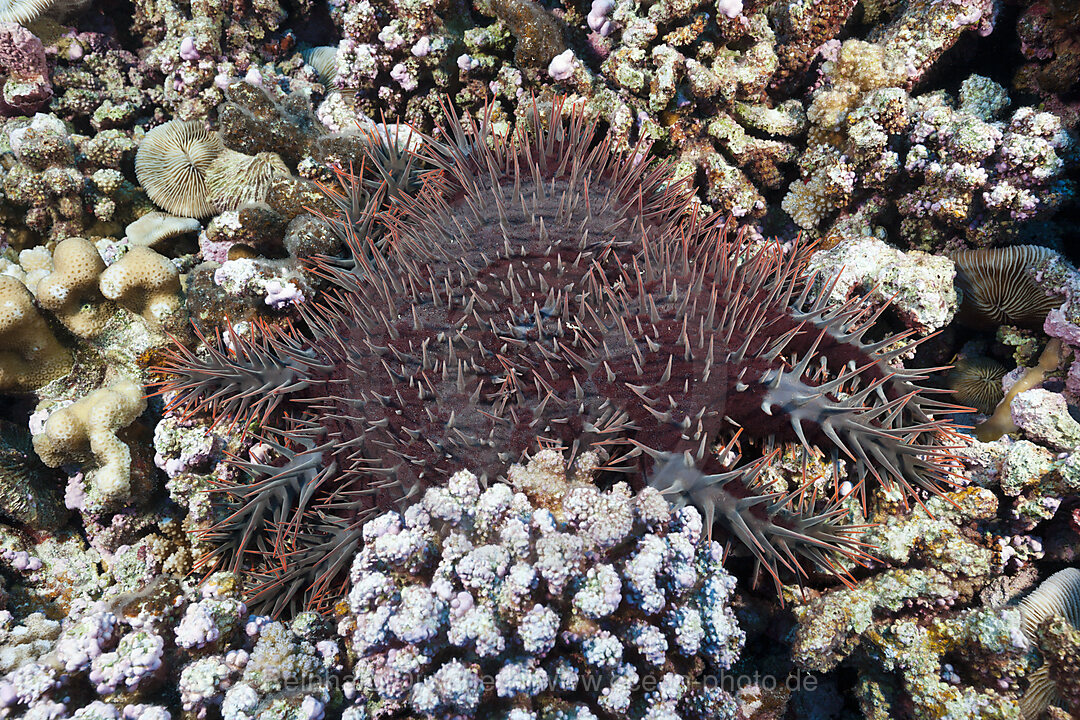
26,86
165,652
557,596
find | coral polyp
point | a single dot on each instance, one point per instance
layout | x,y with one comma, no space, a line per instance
544,290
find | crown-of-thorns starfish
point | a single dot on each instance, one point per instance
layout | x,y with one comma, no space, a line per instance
545,289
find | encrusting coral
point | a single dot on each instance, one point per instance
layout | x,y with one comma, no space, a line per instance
545,286
917,286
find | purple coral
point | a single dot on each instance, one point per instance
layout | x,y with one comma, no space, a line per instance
107,665
562,65
136,658
26,84
84,640
188,51
22,560
729,8
208,621
599,17
472,584
282,294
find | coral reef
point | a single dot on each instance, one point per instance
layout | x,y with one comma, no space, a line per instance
917,286
163,652
66,185
26,87
958,169
698,250
383,396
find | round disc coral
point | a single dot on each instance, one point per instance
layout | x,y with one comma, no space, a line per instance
999,288
541,290
172,163
977,382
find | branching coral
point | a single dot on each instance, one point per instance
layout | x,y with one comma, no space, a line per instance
564,595
198,47
544,287
65,185
912,637
165,651
961,170
102,85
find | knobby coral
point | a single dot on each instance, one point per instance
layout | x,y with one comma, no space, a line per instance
578,603
544,289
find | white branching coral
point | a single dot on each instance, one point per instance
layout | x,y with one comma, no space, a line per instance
475,601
